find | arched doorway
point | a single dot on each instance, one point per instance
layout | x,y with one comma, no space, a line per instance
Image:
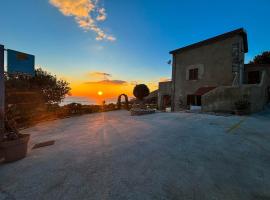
119,101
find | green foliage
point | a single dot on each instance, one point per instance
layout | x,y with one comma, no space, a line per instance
53,107
45,87
141,91
79,109
263,58
35,98
111,106
75,108
26,116
30,100
53,90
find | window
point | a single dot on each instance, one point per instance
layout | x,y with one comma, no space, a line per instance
193,74
254,77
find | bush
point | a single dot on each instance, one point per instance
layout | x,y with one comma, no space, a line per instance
74,108
141,91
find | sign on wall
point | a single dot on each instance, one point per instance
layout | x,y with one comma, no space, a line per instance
19,62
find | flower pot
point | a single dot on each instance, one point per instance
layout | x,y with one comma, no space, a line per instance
14,150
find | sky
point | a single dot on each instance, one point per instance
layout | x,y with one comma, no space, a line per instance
112,45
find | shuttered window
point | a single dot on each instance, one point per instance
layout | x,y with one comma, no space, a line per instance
193,74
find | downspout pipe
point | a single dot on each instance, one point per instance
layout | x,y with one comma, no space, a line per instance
173,81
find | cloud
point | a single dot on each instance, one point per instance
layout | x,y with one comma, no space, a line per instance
99,75
107,82
86,13
133,83
103,78
164,79
102,16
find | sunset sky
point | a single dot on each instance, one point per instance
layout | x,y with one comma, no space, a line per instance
110,45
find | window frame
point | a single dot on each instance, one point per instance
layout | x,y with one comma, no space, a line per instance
254,77
193,74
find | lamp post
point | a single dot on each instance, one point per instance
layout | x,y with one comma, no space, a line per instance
2,93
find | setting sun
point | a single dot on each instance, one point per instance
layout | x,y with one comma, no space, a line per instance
100,93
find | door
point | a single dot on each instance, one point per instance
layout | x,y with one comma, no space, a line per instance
166,101
194,100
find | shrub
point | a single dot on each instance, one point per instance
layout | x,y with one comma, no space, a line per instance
141,91
74,108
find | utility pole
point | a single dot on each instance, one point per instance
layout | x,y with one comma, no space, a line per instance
2,93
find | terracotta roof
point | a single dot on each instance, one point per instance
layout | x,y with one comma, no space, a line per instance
203,90
224,36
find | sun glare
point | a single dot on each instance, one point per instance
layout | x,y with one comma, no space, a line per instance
100,93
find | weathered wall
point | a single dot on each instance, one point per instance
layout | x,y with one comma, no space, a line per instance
256,67
222,99
215,69
164,88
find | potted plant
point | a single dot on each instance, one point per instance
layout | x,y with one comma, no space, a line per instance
13,145
242,107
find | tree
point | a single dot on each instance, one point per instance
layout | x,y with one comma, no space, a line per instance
263,58
48,87
52,89
141,91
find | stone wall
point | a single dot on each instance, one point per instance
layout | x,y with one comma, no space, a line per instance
215,66
164,88
222,98
256,67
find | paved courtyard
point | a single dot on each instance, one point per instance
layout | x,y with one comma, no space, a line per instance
166,156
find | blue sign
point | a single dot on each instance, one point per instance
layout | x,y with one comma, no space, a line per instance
19,62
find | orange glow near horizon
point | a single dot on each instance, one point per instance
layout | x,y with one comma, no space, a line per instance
100,91
96,92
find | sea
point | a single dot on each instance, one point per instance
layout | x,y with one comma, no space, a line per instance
85,100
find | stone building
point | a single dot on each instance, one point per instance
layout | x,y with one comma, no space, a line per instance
164,95
212,74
